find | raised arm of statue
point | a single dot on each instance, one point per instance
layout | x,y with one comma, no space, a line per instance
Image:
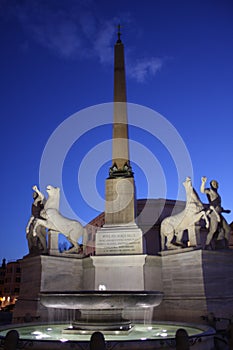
40,197
203,182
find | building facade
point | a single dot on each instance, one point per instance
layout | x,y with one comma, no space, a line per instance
10,277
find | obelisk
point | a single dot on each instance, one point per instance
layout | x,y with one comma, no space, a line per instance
120,148
120,234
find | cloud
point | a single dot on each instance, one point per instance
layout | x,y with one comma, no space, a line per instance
73,30
144,68
62,38
56,28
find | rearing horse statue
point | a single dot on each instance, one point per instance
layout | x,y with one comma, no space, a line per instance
173,226
54,221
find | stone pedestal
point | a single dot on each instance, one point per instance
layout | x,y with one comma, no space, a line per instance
195,283
137,272
61,273
194,235
119,240
124,273
53,243
120,201
44,273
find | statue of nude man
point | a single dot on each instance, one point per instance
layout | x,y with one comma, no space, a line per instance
38,242
218,224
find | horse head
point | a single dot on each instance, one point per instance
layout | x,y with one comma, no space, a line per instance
192,196
188,184
52,190
53,197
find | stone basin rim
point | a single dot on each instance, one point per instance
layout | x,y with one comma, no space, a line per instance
104,300
102,292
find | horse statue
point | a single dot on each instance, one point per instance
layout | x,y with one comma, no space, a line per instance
52,219
172,227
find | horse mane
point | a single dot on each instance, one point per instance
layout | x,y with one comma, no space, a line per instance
53,200
195,199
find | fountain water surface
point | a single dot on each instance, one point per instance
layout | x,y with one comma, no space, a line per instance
142,336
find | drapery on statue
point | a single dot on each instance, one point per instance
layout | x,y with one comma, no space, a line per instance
54,221
219,229
172,227
37,244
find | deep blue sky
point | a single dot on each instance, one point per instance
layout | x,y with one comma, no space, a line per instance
57,59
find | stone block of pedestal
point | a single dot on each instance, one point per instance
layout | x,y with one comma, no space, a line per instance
53,243
128,272
45,273
195,283
122,239
120,201
124,273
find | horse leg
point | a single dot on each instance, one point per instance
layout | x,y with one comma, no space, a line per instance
215,212
74,249
75,246
178,236
162,235
166,240
170,237
39,222
204,216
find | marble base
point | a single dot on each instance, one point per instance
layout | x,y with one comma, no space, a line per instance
120,200
137,272
44,273
122,239
196,283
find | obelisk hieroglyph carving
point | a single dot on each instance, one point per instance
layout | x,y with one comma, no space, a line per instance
120,234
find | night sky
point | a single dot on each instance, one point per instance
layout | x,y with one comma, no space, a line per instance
57,59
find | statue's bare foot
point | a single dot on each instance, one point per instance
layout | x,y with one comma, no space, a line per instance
172,247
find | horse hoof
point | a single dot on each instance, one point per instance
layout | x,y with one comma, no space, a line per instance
71,250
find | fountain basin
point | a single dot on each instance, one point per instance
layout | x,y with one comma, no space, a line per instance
101,310
159,336
101,300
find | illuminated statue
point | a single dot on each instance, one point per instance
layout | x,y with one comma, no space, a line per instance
219,228
52,219
37,243
173,226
